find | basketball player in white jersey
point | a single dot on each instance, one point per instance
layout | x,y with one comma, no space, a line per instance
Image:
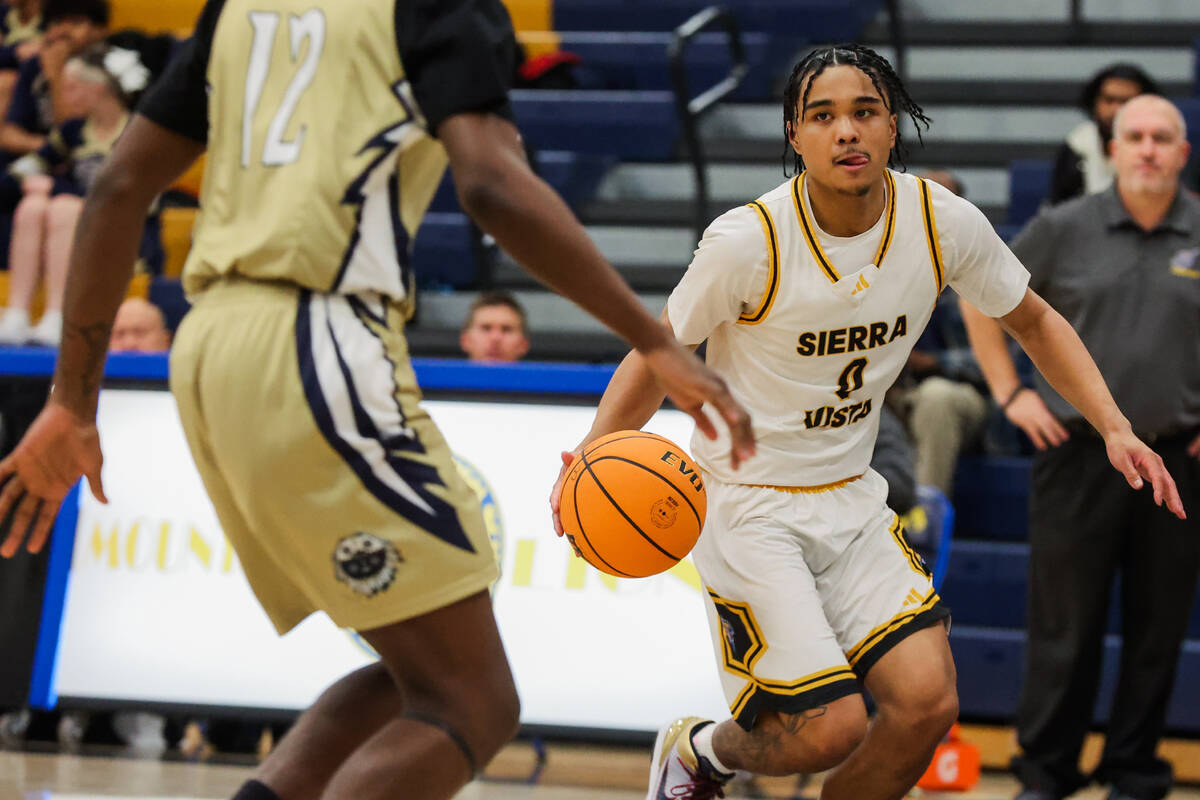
810,299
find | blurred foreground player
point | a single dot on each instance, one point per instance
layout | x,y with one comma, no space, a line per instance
328,125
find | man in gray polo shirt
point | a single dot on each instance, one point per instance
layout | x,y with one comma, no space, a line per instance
1122,267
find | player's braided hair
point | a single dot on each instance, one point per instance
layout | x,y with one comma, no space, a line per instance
875,66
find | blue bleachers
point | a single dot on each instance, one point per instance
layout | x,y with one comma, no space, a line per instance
1029,184
992,498
987,582
638,61
991,665
636,126
574,176
805,20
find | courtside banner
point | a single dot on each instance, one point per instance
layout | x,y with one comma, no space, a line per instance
157,608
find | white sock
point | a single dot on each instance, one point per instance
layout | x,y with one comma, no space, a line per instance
702,743
20,314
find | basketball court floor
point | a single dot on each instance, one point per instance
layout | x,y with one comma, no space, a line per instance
35,776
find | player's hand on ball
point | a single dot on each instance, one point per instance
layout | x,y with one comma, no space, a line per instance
1029,413
36,476
690,384
568,458
1138,463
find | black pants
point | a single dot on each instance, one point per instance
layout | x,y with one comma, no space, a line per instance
1086,526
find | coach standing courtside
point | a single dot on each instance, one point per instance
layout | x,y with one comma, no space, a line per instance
1122,267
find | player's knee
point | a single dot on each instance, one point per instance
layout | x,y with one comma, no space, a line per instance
31,209
928,711
484,711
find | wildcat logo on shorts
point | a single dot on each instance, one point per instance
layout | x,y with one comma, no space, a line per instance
366,563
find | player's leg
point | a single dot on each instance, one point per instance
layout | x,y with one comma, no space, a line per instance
879,598
460,706
913,686
345,715
795,702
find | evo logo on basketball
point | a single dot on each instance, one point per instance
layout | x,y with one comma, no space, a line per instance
687,471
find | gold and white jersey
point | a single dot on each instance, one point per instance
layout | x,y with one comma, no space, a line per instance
810,330
319,117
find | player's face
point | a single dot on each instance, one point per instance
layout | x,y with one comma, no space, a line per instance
1148,148
495,334
846,132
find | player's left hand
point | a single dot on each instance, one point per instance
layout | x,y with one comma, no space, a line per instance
1138,463
556,492
58,448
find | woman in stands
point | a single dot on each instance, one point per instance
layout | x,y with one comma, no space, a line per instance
48,186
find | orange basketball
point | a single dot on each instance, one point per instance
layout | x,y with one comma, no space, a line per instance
633,504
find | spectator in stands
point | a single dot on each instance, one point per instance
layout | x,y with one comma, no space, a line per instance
139,328
1122,267
1082,165
947,408
39,101
53,181
495,329
20,40
893,459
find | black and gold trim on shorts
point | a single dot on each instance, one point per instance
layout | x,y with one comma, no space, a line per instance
915,561
931,235
743,644
809,227
883,638
759,314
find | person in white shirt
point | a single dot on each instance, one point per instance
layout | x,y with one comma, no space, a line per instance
810,299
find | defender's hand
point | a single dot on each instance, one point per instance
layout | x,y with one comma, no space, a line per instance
1136,461
690,384
58,448
1030,414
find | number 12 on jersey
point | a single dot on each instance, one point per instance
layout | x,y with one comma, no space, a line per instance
308,27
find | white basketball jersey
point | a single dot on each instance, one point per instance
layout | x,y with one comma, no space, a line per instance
810,330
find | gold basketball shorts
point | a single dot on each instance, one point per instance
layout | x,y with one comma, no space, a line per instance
333,485
806,591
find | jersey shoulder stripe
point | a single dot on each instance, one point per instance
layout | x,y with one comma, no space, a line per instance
931,236
772,288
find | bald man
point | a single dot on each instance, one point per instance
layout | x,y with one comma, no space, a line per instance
139,327
1123,266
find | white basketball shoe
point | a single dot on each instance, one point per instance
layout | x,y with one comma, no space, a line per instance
677,771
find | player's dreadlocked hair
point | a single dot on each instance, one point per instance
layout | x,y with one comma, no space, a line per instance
875,66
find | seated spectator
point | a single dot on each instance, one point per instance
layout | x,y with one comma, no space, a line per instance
495,329
39,102
947,408
20,40
139,328
51,184
893,459
1082,165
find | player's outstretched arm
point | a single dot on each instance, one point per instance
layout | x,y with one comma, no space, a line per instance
62,443
1059,354
631,398
525,216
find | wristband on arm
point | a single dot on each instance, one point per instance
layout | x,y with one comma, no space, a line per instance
1017,391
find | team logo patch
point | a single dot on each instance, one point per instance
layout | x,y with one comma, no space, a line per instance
1183,263
366,563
